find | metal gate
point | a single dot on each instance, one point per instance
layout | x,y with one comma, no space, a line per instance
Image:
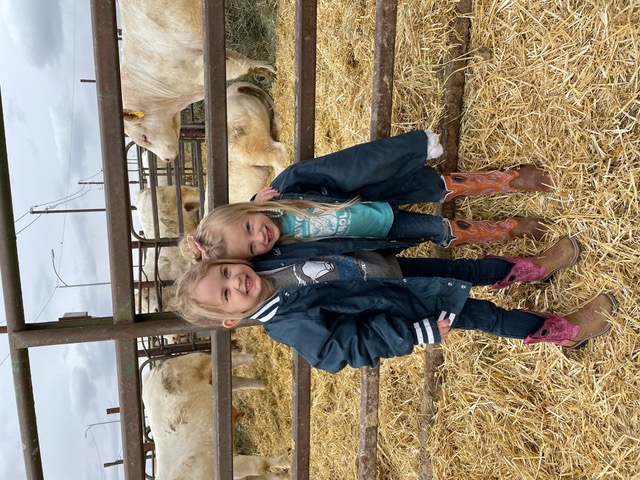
125,326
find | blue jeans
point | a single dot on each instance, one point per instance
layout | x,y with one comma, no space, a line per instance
476,314
420,227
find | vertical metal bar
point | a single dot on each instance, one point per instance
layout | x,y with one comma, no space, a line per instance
380,127
454,73
368,435
301,417
305,81
113,156
383,65
153,186
196,153
103,17
14,308
215,83
304,137
130,408
218,194
138,160
433,358
221,383
179,208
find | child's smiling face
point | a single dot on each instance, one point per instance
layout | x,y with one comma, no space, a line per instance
233,288
254,235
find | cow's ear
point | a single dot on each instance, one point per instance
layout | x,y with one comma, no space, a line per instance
132,115
230,323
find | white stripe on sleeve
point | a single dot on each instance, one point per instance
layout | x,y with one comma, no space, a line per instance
272,303
422,327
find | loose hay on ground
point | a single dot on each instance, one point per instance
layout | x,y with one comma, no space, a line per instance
555,83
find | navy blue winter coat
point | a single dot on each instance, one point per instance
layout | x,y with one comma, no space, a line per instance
388,170
355,322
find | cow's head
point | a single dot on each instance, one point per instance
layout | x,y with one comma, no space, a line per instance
155,131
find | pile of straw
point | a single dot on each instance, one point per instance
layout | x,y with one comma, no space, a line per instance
554,83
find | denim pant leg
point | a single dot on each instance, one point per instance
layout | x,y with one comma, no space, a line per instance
487,317
419,227
484,271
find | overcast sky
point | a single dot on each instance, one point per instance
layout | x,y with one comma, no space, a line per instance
53,142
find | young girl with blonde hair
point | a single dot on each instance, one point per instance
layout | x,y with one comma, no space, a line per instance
349,201
354,309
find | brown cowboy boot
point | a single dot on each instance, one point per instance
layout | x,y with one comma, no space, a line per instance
524,178
482,231
562,254
575,329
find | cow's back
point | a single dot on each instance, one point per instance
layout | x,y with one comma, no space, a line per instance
158,24
177,394
167,210
162,52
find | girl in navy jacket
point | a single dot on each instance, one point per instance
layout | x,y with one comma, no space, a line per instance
383,174
353,309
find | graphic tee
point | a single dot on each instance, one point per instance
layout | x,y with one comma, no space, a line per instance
363,220
355,266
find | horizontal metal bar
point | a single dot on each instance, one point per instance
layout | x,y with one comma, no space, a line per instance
101,329
173,349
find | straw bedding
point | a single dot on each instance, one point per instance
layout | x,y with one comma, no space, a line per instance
554,83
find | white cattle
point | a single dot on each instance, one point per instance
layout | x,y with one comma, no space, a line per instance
148,296
167,210
170,262
177,396
254,154
162,69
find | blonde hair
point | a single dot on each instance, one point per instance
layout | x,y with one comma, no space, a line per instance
209,233
185,304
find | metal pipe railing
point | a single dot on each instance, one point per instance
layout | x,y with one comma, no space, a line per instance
215,82
14,308
106,53
380,127
304,139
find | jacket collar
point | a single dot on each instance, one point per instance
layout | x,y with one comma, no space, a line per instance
268,310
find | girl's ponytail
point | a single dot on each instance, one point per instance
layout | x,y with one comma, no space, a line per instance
189,250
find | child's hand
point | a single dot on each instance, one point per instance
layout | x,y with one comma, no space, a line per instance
443,327
266,194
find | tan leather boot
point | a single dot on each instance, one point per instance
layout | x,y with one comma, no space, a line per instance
575,329
562,254
524,178
482,231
